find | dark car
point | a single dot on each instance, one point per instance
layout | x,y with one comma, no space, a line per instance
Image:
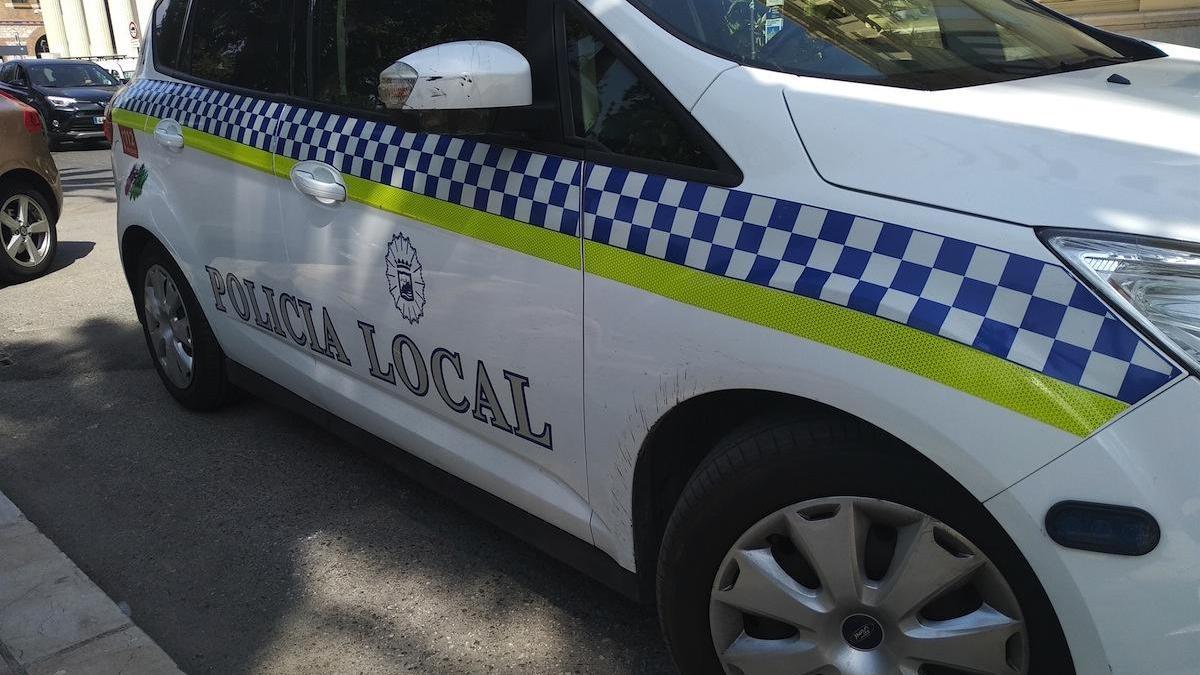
70,95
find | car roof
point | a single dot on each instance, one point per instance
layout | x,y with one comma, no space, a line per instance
55,62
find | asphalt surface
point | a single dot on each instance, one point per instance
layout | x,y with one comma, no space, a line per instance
249,540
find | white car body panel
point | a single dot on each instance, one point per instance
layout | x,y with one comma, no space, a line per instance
1121,614
607,360
239,232
1124,165
487,303
658,353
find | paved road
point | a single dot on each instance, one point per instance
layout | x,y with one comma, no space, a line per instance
248,540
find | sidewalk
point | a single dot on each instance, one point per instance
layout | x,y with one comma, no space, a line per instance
54,620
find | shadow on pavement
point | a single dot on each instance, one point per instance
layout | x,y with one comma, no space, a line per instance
70,251
85,182
250,540
67,253
97,345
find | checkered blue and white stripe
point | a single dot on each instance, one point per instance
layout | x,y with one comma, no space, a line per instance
242,119
1017,308
538,189
1014,307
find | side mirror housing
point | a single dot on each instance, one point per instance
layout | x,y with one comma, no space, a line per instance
469,75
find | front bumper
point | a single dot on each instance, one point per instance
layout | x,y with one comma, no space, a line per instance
1124,615
83,122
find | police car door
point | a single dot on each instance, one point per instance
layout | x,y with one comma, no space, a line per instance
437,276
195,132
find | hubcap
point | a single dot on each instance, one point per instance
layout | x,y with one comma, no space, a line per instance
850,585
24,231
862,632
168,326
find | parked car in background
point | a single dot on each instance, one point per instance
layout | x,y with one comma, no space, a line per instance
30,194
70,95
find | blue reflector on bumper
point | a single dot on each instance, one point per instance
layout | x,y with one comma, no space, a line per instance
1104,528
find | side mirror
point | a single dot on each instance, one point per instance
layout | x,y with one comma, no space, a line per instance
469,75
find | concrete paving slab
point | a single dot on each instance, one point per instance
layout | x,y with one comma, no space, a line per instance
126,651
9,513
48,604
29,561
53,619
18,529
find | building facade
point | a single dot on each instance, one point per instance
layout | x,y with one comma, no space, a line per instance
1176,21
21,29
72,28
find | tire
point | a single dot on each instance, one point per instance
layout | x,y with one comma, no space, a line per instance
22,264
763,475
206,386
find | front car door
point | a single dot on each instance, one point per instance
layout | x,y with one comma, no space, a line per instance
442,287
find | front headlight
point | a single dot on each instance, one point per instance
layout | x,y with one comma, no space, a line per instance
61,101
1156,283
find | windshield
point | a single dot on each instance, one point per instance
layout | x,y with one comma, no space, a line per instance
918,44
61,75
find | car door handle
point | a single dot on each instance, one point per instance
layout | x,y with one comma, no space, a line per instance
169,134
319,181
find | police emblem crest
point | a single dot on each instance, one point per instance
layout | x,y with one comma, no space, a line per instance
406,281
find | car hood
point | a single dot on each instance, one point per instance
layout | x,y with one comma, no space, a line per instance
1067,150
91,94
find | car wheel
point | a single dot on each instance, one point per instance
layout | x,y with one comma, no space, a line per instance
823,546
182,346
28,233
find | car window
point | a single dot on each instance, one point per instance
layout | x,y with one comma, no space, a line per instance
920,44
168,29
243,43
616,109
356,40
61,75
6,72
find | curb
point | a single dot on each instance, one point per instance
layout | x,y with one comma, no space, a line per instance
54,620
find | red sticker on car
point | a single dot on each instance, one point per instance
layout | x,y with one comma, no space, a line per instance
128,141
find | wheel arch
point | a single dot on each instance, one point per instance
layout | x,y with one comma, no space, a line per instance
133,240
34,180
682,437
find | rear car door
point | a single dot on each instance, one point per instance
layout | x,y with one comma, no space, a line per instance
199,169
445,289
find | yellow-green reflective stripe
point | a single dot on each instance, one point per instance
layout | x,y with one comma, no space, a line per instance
127,118
227,149
1065,406
504,232
205,142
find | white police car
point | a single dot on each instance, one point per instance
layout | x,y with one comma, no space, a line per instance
860,334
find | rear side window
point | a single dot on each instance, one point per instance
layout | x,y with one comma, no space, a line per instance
356,40
168,32
244,43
